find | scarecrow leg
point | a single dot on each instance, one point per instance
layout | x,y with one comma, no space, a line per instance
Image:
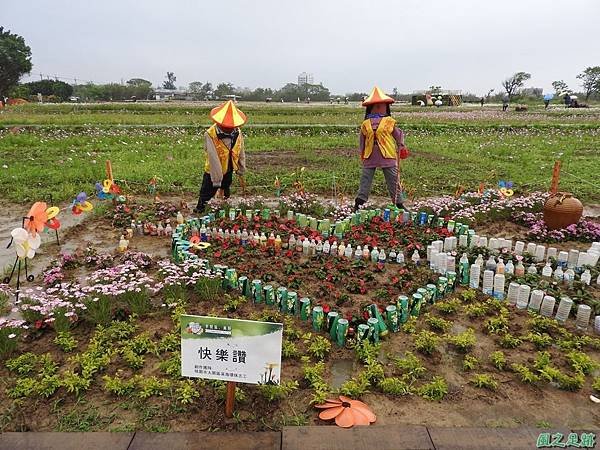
18,280
57,240
12,272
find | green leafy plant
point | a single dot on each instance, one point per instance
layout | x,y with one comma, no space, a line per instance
498,324
596,384
469,295
98,310
484,381
435,390
22,364
470,362
75,383
525,373
151,386
319,347
355,387
426,342
289,349
541,324
24,387
571,383
464,341
509,341
172,365
394,386
47,385
118,385
186,392
448,307
373,371
233,303
498,359
476,310
410,366
581,362
539,340
221,391
276,392
313,373
8,340
437,323
170,342
367,351
410,326
65,341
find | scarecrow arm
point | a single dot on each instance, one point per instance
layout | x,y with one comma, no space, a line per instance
216,172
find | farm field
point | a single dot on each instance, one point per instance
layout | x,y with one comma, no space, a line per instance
62,148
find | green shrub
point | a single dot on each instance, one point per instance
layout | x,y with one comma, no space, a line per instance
151,386
24,387
172,366
485,381
498,359
475,310
186,392
568,383
394,386
581,362
367,351
509,341
410,366
410,327
498,324
426,342
448,307
119,386
435,390
539,340
470,362
596,384
464,341
319,347
65,341
437,323
525,373
373,372
47,385
469,295
22,364
313,373
75,383
276,392
355,387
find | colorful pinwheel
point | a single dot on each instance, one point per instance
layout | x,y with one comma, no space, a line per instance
81,204
505,188
25,243
107,190
52,223
36,218
346,412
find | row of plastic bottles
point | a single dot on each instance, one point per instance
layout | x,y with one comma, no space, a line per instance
149,229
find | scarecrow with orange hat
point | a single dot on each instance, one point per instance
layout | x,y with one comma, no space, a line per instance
225,154
381,146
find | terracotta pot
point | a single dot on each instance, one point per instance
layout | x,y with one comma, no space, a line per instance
561,210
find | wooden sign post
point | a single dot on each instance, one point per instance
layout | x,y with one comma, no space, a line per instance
555,177
230,399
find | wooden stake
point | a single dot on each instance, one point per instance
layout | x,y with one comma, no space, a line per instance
555,177
109,172
230,399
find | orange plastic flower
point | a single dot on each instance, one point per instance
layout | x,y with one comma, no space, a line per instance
346,412
36,218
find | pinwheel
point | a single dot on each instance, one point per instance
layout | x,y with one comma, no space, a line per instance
36,218
25,243
107,190
52,223
505,188
346,412
81,204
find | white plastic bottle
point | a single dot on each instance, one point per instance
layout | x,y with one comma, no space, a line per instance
333,249
348,252
519,269
569,276
400,258
586,277
509,268
490,264
341,249
500,267
415,258
381,259
479,261
374,255
558,273
366,254
305,247
532,269
392,256
326,247
319,248
547,270
358,252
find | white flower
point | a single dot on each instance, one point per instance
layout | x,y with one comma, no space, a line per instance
12,336
25,243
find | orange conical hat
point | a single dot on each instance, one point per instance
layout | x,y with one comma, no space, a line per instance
377,96
227,115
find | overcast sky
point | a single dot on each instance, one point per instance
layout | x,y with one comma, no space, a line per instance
349,45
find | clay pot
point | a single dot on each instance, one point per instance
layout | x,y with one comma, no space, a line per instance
561,210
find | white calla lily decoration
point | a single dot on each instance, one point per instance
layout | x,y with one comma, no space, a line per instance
25,243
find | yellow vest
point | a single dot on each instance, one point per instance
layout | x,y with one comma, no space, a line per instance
223,151
383,134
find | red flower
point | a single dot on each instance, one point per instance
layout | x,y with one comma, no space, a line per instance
218,254
326,308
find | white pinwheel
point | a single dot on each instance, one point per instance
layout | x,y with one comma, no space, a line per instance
25,243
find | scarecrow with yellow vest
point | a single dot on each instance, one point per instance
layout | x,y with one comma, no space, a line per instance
225,154
381,146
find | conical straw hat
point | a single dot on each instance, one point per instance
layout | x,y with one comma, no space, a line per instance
377,96
228,115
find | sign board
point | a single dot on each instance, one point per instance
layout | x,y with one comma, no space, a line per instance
243,351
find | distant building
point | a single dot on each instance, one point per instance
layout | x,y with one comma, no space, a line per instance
305,78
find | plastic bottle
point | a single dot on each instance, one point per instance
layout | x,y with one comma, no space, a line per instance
333,249
374,255
569,276
238,237
319,247
415,258
348,252
221,233
256,239
490,264
227,235
381,259
532,269
520,269
400,258
179,218
326,247
305,247
291,242
300,244
366,255
341,249
586,277
479,261
123,244
160,231
168,229
558,273
392,256
463,269
245,237
547,270
312,250
203,234
271,240
358,252
500,267
277,242
474,274
509,268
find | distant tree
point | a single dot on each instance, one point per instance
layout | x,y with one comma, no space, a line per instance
139,88
590,80
199,90
512,84
559,87
195,87
489,93
58,89
224,89
356,96
395,93
169,83
15,60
